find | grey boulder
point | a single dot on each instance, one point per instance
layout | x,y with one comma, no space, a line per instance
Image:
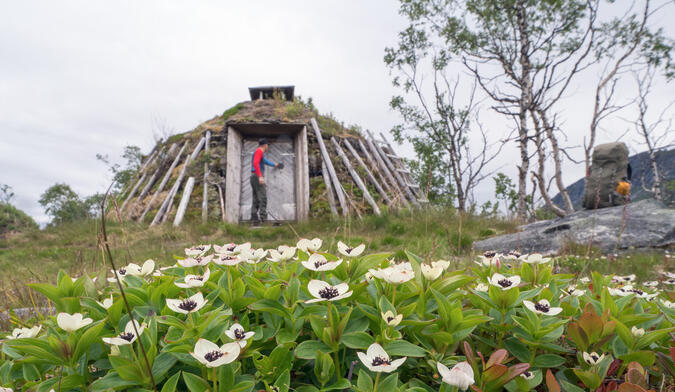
644,224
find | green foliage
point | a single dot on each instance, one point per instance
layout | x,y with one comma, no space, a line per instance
63,204
13,220
123,174
232,111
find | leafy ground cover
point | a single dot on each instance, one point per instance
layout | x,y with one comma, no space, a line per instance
239,318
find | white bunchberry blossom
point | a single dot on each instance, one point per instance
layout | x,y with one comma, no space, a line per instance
482,287
198,250
188,305
377,360
444,264
488,259
225,249
309,246
194,280
503,282
282,254
536,258
323,291
542,307
318,262
195,261
253,256
20,333
460,376
226,259
391,318
120,273
210,355
592,358
395,273
348,251
668,304
126,337
623,279
429,272
238,334
136,270
652,283
106,303
527,375
637,332
72,322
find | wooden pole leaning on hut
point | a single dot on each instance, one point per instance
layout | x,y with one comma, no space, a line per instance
165,179
402,168
205,194
376,169
180,213
401,182
144,174
369,174
331,169
329,188
152,179
385,170
356,177
163,212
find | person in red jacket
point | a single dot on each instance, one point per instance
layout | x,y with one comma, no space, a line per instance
258,162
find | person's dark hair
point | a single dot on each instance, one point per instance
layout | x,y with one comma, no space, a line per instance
263,141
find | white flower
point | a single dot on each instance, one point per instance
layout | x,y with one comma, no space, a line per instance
107,303
391,318
198,250
209,354
3,389
226,259
444,264
318,262
542,307
460,376
253,256
652,283
571,290
195,261
72,322
482,287
121,273
431,273
668,304
283,254
225,249
350,252
592,358
527,375
669,281
637,332
242,248
623,279
536,258
503,282
194,280
628,289
322,291
585,280
670,275
309,246
513,255
237,333
377,360
489,258
20,333
135,270
396,273
126,337
188,305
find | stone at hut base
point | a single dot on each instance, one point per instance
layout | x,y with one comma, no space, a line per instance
647,224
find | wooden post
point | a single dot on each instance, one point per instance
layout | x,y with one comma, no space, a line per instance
329,188
133,191
163,212
150,158
162,184
402,184
329,166
189,185
356,177
406,173
205,194
375,167
152,179
222,202
301,176
369,174
385,170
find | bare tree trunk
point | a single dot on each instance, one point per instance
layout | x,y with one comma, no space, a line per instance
541,159
524,106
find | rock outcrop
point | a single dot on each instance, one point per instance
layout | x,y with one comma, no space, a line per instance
644,224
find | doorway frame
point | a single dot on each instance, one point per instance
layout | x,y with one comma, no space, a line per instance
235,139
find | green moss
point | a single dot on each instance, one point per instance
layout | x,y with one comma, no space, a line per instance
232,111
13,219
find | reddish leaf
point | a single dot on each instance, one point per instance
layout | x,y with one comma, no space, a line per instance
551,382
494,372
672,353
468,352
497,357
630,387
613,367
611,386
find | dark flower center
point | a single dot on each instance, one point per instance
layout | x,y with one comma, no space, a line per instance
490,254
239,334
199,248
231,248
349,250
594,357
541,307
527,374
198,259
638,291
122,271
389,319
319,263
377,361
213,355
517,254
328,292
627,279
188,305
127,336
504,283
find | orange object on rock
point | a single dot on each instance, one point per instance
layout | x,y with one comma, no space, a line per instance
623,188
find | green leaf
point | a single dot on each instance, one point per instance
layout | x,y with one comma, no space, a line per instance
163,362
195,383
644,358
548,361
340,384
268,305
590,379
652,336
283,382
89,337
517,349
171,383
364,382
357,340
111,381
309,348
404,349
323,367
388,384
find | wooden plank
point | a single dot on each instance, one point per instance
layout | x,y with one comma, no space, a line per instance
163,212
357,179
329,166
222,202
133,191
301,176
189,185
402,168
150,158
374,166
399,179
205,194
329,188
165,179
385,170
369,174
152,179
233,176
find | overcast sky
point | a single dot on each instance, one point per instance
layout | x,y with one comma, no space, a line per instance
84,77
